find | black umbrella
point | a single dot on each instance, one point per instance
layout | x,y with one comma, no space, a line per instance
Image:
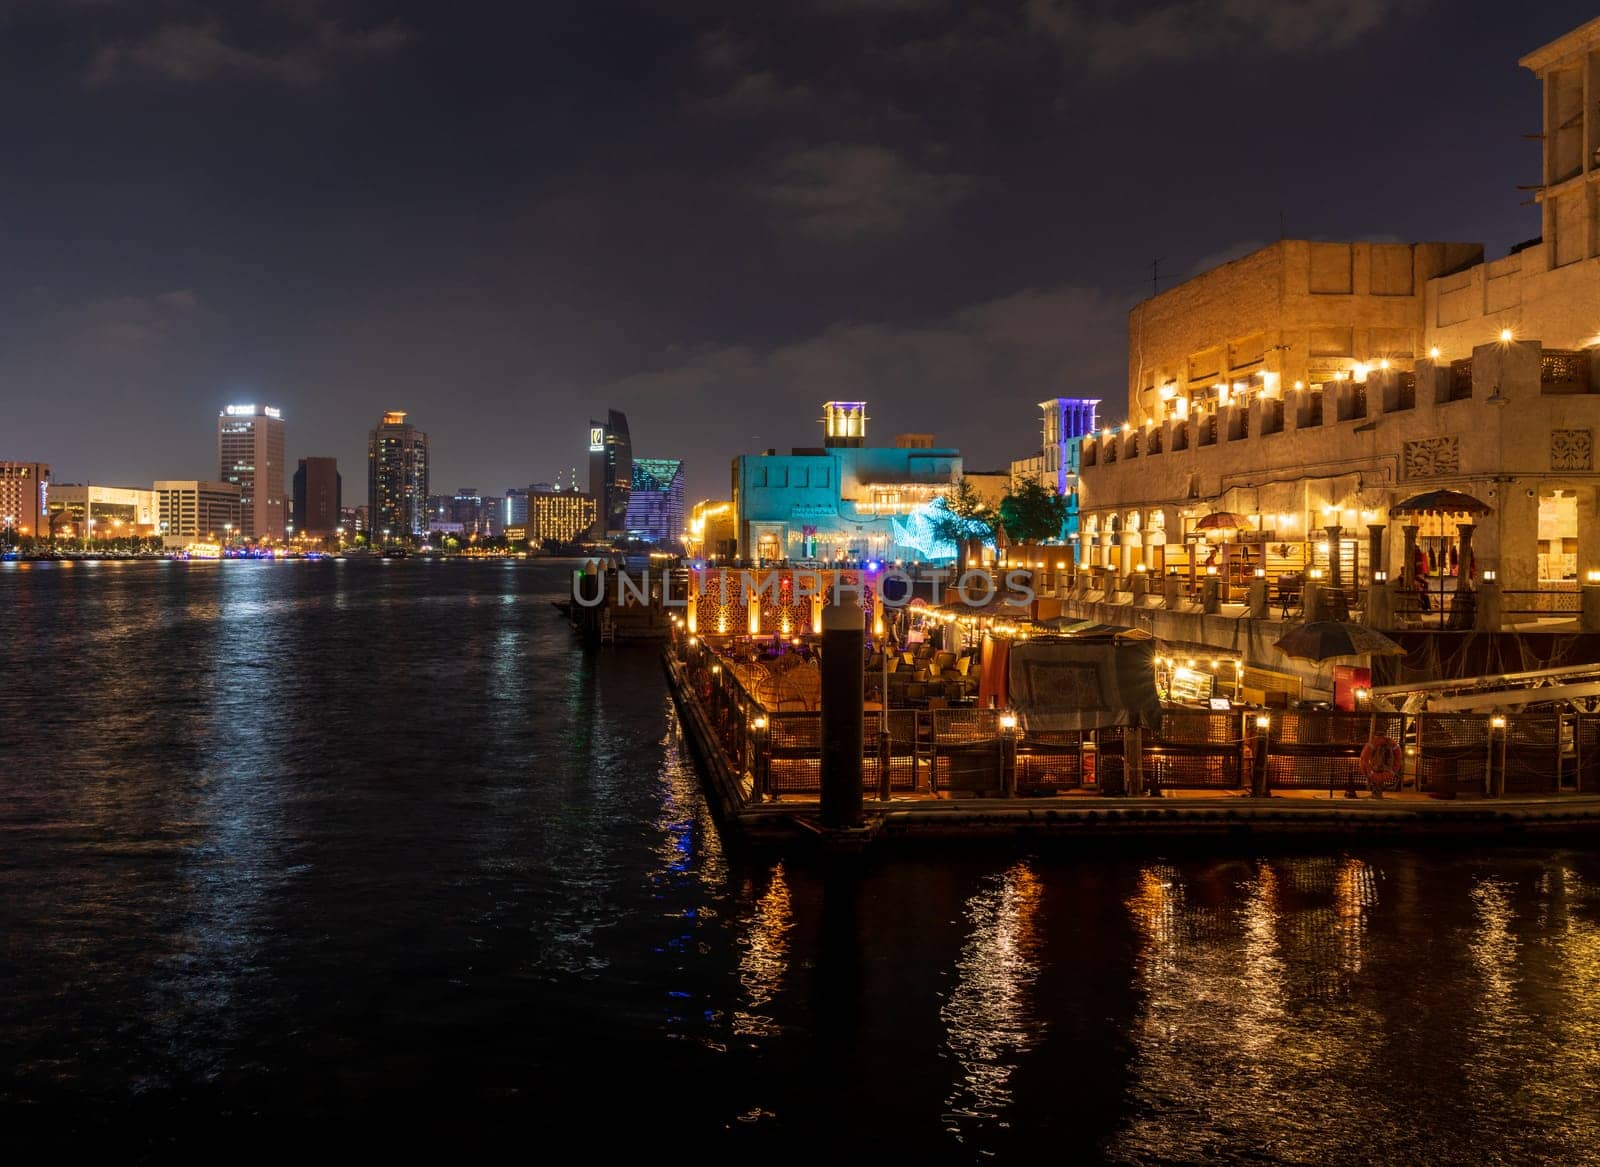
1323,640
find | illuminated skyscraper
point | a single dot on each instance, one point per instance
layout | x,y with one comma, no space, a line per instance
655,504
250,453
397,477
611,472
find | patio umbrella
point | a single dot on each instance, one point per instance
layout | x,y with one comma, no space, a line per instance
1443,504
1223,521
1323,640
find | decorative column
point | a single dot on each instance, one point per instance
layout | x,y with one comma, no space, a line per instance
1408,568
1462,614
1338,607
1374,551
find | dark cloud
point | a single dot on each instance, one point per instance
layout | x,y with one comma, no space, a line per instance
1140,34
191,51
842,191
992,360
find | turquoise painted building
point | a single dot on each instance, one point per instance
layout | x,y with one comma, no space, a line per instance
842,500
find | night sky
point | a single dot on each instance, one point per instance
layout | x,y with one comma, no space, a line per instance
505,219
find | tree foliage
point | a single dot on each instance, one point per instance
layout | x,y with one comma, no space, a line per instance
1032,513
961,516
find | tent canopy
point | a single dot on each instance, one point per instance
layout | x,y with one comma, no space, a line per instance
1074,686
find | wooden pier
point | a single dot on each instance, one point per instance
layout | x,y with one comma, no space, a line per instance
920,789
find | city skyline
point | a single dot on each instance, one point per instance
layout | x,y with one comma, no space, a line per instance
934,251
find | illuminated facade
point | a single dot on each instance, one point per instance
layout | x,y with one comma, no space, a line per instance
560,516
80,511
712,531
250,454
187,509
1309,386
24,499
839,501
318,496
655,501
397,478
611,472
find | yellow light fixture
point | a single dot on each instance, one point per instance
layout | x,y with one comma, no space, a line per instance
1263,721
1433,353
1505,336
1498,721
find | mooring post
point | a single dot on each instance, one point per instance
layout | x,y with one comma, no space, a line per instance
843,644
1258,771
1133,759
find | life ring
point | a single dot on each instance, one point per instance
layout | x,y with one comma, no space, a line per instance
1380,763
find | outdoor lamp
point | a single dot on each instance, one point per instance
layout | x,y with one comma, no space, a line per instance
1489,576
1008,721
760,723
1591,576
1316,573
1261,573
1498,721
1263,721
1383,576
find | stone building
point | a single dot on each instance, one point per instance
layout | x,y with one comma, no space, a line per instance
1309,386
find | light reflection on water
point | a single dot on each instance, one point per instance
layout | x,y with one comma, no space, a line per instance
378,846
990,1015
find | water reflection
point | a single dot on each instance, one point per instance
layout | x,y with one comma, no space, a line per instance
990,1018
764,956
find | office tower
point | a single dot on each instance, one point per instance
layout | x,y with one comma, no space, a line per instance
610,472
318,495
397,478
514,508
24,500
655,504
250,452
187,508
561,516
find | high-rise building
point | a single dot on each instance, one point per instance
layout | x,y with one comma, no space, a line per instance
318,496
611,472
25,499
514,508
250,452
397,477
655,502
189,509
561,516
